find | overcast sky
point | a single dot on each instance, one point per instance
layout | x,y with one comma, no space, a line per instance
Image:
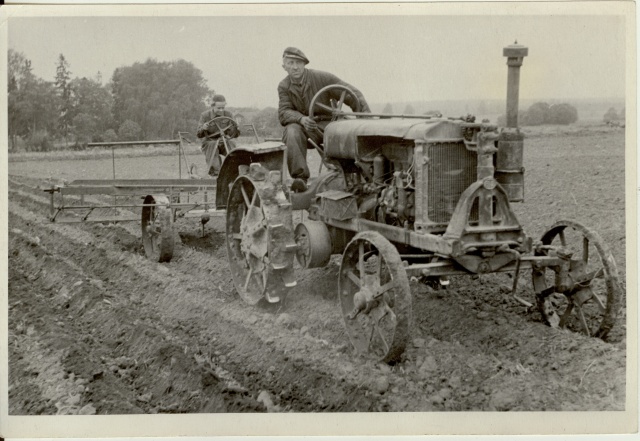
390,58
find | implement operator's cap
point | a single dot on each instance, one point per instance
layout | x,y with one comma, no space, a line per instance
218,99
294,52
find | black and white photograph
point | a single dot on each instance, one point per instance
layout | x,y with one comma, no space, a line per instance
243,219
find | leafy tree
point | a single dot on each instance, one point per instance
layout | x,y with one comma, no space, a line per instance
542,113
388,109
409,110
20,80
84,128
90,98
129,131
63,84
537,114
109,135
161,97
39,141
611,115
562,114
32,103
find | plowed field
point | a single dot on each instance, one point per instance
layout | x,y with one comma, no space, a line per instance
96,328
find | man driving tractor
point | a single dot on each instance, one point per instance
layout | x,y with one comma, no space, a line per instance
216,127
295,93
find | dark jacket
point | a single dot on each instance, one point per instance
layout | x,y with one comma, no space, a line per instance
207,116
295,99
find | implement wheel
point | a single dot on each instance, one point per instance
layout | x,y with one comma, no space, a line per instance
260,243
375,297
589,302
157,228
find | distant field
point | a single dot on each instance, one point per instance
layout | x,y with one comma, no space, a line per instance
589,127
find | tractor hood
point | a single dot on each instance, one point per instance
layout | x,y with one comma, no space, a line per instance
341,137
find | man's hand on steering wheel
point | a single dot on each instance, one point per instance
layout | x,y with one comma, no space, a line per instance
335,109
309,124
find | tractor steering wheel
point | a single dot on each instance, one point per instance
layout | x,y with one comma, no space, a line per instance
336,107
223,125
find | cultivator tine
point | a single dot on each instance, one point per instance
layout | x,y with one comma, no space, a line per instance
599,302
583,320
361,259
384,341
86,216
373,330
585,249
516,274
566,315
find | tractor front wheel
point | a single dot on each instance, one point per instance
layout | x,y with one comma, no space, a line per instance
585,295
375,297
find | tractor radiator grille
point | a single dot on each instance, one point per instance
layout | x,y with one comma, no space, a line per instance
452,168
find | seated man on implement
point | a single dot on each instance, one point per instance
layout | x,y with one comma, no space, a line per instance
295,93
214,142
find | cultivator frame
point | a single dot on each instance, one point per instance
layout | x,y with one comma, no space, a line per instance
163,201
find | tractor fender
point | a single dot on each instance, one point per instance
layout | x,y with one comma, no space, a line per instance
270,155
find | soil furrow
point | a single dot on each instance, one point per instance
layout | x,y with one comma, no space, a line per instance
94,258
175,337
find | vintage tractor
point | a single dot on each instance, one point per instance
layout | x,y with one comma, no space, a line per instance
407,197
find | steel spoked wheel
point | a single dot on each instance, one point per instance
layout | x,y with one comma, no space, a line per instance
375,297
260,244
157,228
586,298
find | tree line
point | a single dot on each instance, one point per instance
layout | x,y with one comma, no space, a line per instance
543,113
148,100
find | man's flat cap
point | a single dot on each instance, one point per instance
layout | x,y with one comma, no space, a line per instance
294,52
218,99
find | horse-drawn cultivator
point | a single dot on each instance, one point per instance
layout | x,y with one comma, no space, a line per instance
402,198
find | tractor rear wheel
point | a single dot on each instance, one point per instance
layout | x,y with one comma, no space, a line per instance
375,297
260,242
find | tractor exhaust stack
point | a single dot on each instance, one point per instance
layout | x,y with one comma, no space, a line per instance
515,55
509,159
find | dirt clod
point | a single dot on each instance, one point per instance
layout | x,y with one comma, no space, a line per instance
380,385
87,410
